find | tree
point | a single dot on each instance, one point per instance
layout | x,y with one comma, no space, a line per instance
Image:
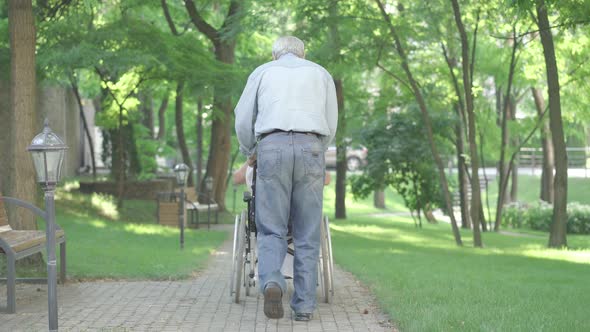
469,107
23,126
557,237
414,87
224,43
399,157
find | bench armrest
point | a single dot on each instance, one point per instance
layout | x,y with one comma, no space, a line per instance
30,207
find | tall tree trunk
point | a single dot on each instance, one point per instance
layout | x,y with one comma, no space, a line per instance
341,145
199,126
548,159
504,169
425,117
557,237
475,190
147,110
22,111
85,124
122,170
162,118
462,177
341,164
379,199
132,153
186,158
459,143
221,129
514,139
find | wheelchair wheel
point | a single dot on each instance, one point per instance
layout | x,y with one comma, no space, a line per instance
232,275
250,267
326,279
239,257
330,257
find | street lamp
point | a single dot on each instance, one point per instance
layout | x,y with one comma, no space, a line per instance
181,170
209,188
48,152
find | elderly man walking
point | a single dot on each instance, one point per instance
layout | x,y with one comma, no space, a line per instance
285,119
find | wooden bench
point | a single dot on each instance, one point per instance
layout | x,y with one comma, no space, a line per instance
16,244
168,209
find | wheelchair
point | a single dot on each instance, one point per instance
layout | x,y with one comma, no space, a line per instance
244,259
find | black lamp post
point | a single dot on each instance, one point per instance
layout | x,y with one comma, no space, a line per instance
209,188
48,152
181,170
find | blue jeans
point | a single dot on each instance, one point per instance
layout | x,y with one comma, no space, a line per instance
289,186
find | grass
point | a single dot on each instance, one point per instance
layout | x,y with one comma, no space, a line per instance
427,283
529,188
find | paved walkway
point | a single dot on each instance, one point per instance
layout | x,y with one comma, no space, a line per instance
200,304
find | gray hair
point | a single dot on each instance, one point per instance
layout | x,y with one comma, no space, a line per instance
288,44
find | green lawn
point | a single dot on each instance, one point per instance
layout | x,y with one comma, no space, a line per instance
103,242
427,283
529,187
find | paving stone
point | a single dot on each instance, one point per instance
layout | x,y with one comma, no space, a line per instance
199,304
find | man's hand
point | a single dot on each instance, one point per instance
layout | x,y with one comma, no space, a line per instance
252,160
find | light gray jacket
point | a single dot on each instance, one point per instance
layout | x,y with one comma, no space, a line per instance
287,94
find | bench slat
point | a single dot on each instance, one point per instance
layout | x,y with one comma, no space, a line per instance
22,240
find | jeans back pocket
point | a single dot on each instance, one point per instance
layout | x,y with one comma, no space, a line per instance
268,163
314,162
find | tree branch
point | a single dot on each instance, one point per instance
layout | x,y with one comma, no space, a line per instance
169,18
234,7
390,73
200,23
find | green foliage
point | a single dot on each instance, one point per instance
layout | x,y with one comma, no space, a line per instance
398,156
540,217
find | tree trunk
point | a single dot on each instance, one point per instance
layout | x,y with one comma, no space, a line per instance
475,190
341,145
557,237
504,169
147,110
379,199
425,117
459,143
132,153
221,128
548,159
122,170
514,139
186,158
341,164
462,177
162,118
199,126
23,111
86,130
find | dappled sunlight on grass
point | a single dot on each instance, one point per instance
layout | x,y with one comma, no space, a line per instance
105,204
97,223
150,229
573,256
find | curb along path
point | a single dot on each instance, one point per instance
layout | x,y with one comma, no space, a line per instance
199,304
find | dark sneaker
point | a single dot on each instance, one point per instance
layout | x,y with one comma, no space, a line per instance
303,316
273,301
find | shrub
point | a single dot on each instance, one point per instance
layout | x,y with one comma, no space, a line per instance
540,217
